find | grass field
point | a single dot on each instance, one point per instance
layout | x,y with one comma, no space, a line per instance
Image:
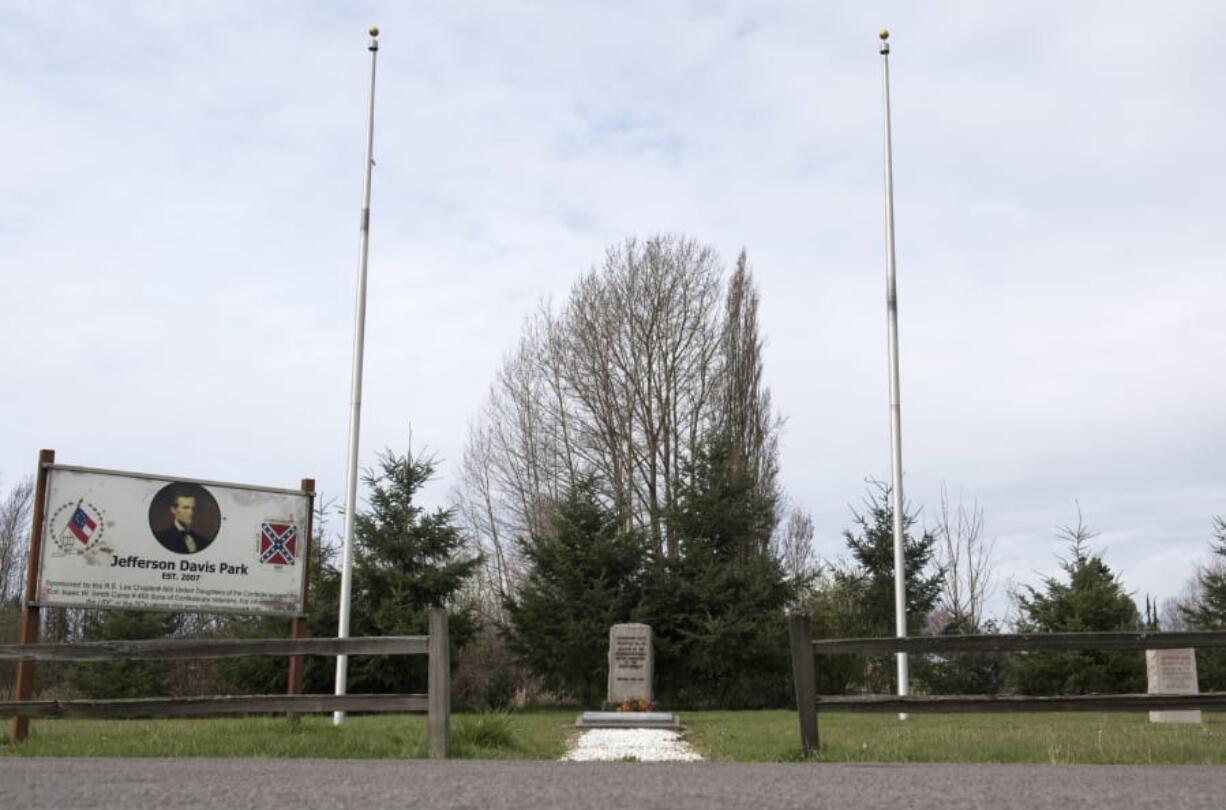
1090,738
525,735
765,736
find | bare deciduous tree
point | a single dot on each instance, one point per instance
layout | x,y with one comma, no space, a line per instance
14,537
794,546
639,340
1172,616
476,502
621,384
965,556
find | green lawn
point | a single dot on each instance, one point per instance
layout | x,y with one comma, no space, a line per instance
524,735
1090,738
764,736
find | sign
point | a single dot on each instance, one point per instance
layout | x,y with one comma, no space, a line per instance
134,541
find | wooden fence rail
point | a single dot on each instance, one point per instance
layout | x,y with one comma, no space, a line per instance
215,705
436,703
808,702
1019,642
175,648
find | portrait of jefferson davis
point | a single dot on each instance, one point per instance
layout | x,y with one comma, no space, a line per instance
184,518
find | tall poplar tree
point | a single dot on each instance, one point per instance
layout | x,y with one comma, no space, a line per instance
745,416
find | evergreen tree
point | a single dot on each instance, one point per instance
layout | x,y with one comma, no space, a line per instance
1151,623
871,576
717,606
406,560
872,548
1091,599
584,576
107,680
839,594
965,673
721,512
1208,611
268,675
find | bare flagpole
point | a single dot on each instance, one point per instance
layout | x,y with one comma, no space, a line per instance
355,408
891,299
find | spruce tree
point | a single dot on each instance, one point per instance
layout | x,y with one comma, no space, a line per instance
1091,598
111,680
584,575
717,605
406,560
872,548
965,673
872,578
836,603
268,675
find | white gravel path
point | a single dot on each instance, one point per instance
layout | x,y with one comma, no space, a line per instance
639,744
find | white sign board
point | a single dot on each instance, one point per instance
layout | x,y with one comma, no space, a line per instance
126,540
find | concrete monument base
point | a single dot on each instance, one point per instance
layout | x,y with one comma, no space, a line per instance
661,720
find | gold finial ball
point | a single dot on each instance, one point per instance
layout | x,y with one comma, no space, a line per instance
374,30
885,34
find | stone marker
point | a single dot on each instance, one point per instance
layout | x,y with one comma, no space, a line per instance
631,664
1172,672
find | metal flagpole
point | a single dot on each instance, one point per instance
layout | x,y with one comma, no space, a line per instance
355,409
891,299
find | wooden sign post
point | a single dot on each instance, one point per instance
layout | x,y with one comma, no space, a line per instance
29,610
297,625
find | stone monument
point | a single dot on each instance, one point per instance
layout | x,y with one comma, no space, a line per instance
631,664
1172,672
631,667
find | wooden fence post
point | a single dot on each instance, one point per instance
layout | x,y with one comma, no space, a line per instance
438,715
24,688
804,675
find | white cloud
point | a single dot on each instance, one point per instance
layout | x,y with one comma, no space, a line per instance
178,236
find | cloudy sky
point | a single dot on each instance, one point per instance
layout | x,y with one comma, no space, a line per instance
179,232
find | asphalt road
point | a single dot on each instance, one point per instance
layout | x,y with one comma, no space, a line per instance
59,784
